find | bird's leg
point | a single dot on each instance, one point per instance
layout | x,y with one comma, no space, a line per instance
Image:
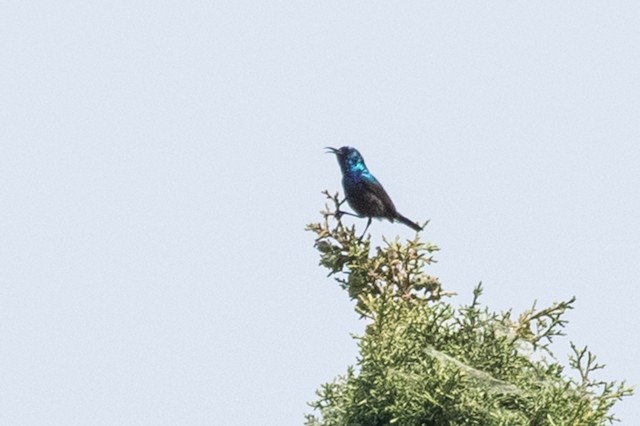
350,214
365,229
339,214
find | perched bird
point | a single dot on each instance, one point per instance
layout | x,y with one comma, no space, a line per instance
364,193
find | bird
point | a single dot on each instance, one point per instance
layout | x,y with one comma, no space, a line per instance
363,191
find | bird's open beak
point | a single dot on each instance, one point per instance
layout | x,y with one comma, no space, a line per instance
331,150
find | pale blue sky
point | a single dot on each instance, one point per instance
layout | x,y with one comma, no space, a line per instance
161,159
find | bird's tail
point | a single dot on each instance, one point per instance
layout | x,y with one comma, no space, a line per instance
408,222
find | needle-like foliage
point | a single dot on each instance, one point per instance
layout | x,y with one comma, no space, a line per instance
423,361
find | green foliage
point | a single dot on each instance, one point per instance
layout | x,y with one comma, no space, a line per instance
424,362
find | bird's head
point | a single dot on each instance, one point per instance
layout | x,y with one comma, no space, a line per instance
349,159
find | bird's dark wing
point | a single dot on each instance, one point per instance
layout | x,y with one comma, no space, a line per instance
375,189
